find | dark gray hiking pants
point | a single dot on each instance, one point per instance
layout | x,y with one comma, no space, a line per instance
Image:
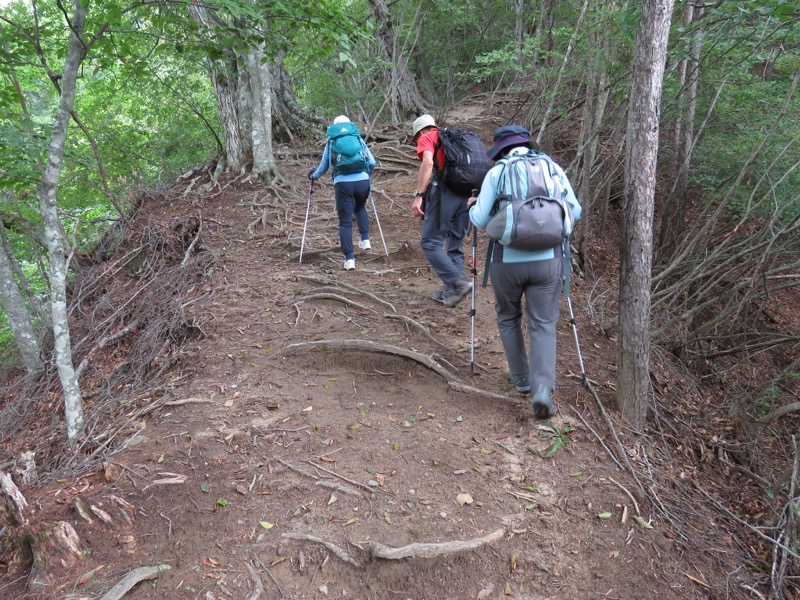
540,282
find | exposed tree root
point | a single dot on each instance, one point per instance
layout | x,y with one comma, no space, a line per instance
131,579
370,346
341,554
378,550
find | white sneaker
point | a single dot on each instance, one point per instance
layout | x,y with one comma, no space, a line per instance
349,264
364,245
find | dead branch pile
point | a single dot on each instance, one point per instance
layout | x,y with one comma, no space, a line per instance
132,314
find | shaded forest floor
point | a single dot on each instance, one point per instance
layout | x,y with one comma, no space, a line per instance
266,425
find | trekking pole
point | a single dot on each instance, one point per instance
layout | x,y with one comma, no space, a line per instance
474,272
305,223
565,279
378,221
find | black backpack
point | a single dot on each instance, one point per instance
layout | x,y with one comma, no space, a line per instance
466,161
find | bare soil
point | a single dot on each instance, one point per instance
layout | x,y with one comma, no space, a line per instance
291,411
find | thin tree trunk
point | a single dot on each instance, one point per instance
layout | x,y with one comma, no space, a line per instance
544,32
19,318
633,346
564,62
674,207
73,402
519,29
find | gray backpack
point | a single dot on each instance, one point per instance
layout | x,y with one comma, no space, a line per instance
537,221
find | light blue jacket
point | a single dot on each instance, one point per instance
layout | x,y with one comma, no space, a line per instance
325,162
496,183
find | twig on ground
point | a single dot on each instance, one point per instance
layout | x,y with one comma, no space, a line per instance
341,554
787,531
337,475
379,550
622,487
258,585
263,566
132,578
741,521
295,469
599,439
191,246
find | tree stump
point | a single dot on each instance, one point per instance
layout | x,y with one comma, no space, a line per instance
48,550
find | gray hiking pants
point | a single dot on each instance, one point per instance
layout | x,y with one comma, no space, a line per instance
540,281
443,231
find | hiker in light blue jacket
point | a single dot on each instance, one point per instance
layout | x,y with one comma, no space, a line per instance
351,189
536,274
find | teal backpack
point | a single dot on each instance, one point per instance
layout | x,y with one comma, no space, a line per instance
348,152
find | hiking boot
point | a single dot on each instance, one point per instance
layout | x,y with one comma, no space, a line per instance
542,403
438,295
520,382
349,264
452,297
364,245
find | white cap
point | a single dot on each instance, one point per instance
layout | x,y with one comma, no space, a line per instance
421,123
341,119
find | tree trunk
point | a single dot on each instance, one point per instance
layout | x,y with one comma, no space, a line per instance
674,207
289,119
18,316
633,346
224,78
259,77
56,251
519,30
404,96
545,32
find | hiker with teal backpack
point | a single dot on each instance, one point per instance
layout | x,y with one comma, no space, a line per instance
527,207
351,161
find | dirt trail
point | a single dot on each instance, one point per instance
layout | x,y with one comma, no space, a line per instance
292,431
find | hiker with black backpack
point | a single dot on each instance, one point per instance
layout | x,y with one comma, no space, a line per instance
348,156
527,207
453,162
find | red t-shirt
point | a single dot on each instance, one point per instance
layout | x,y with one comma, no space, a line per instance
427,142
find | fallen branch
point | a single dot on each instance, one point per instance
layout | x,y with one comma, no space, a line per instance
132,578
432,550
332,547
188,401
340,488
779,412
103,343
